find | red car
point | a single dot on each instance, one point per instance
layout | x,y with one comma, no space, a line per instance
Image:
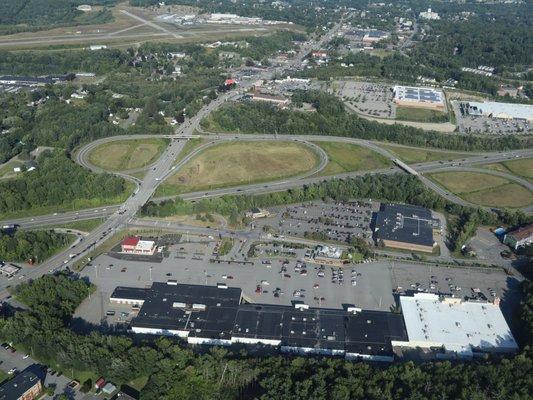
258,289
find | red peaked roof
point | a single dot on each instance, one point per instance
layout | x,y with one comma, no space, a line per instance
130,241
229,82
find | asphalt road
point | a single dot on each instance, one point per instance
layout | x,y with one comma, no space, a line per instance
164,166
152,179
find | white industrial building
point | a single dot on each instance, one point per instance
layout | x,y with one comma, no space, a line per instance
421,97
429,15
494,109
454,328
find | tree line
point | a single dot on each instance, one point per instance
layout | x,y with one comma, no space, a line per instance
176,371
331,119
59,182
32,246
401,188
32,15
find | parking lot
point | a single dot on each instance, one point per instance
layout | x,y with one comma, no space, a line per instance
490,126
281,278
372,99
324,221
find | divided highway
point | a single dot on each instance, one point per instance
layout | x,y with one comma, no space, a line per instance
118,217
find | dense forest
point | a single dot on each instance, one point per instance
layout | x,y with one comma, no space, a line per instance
36,246
24,15
398,187
331,119
175,371
60,183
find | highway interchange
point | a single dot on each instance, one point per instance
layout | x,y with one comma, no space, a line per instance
118,217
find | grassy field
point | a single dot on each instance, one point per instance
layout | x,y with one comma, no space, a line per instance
188,148
233,164
127,154
413,155
3,376
6,171
84,226
347,157
484,189
420,115
522,167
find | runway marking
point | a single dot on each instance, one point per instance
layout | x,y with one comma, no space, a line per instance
153,25
126,29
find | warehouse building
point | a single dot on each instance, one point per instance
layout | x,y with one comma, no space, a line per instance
24,386
406,227
491,109
216,316
420,97
280,101
520,237
453,328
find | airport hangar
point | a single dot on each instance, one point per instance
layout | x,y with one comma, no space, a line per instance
216,315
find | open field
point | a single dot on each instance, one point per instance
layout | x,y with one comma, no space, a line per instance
6,171
233,164
191,145
127,154
420,115
84,225
522,167
484,189
414,155
347,157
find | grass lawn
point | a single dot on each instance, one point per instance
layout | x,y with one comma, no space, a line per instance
3,376
347,157
127,154
420,115
413,155
510,195
188,148
84,226
139,383
7,169
521,167
484,189
238,163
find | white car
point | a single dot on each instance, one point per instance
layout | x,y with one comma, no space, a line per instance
266,283
25,356
354,283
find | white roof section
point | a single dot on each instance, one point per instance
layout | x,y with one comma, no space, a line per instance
504,110
145,245
459,326
418,94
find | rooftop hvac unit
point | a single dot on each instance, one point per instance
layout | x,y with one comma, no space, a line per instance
178,304
353,310
197,306
301,306
172,282
222,286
